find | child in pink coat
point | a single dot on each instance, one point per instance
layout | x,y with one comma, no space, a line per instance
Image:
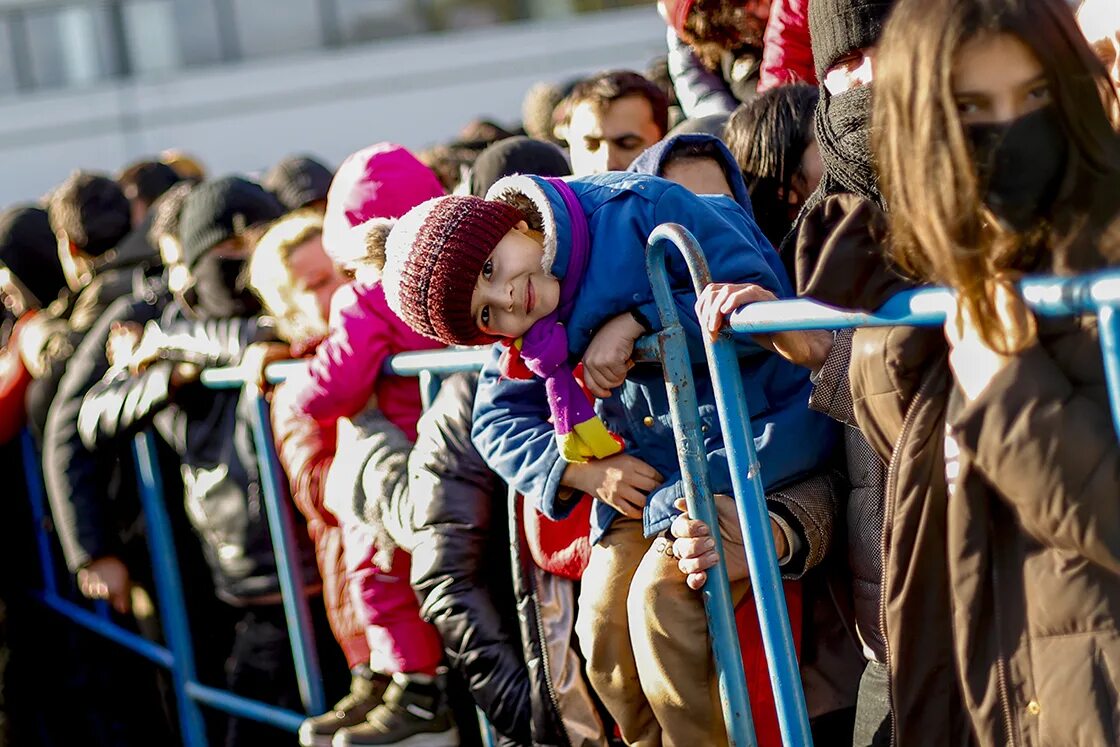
378,182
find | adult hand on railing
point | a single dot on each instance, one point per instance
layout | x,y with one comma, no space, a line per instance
973,361
695,550
620,481
607,358
802,348
107,578
258,357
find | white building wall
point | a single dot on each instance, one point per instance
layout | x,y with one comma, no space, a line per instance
417,91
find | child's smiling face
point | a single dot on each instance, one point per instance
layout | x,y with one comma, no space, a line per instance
514,291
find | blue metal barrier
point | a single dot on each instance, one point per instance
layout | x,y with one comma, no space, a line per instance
1094,294
766,582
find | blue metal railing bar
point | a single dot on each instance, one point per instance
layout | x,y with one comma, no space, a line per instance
1096,294
436,362
33,475
750,504
277,506
684,409
95,623
243,707
169,588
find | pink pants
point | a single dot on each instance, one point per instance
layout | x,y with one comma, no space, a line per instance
399,640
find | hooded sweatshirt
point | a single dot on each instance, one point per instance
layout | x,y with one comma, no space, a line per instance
652,161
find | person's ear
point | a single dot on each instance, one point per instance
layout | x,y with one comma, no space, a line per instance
521,227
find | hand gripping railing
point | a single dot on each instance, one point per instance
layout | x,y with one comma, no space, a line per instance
750,504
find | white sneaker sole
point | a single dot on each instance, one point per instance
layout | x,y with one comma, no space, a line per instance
449,738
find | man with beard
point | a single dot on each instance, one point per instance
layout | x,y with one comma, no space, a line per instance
212,433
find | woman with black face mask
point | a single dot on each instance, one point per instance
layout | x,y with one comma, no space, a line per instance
1001,581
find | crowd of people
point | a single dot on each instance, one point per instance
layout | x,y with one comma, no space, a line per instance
942,502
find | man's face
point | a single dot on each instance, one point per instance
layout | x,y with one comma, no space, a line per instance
611,137
1100,22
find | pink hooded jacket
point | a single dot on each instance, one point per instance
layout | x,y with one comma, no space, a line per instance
381,181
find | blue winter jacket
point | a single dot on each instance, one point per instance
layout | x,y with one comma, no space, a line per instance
511,428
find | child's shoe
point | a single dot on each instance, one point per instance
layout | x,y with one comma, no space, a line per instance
367,688
414,713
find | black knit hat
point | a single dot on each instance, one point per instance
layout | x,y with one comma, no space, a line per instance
840,27
516,155
221,209
298,181
29,249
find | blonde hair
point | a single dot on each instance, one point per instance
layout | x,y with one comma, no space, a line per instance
270,276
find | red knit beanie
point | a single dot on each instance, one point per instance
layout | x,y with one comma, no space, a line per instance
433,257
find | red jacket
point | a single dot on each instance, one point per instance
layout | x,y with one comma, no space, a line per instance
14,379
787,54
306,451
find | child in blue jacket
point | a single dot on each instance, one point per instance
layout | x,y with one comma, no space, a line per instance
555,269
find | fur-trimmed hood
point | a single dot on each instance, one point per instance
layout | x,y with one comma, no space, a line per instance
544,211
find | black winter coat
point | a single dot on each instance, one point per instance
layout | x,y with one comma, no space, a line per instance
212,433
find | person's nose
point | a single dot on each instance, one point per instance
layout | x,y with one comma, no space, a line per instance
618,159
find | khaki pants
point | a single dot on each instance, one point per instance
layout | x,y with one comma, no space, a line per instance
645,636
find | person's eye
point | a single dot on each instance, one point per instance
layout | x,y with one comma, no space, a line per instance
484,316
967,107
629,143
592,145
1041,92
488,269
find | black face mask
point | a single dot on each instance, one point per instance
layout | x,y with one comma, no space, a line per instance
220,289
843,128
1020,165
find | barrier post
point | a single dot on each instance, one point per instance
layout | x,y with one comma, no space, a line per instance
750,503
169,589
677,368
297,612
33,474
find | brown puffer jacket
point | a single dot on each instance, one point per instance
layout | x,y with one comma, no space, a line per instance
1001,600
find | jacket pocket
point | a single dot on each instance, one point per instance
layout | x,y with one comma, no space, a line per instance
1077,701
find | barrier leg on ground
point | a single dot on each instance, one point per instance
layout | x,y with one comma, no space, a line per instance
677,368
297,612
169,589
750,504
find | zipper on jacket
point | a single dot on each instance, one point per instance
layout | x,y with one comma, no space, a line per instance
546,661
1001,664
888,516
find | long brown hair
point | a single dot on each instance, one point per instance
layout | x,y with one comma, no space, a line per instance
940,229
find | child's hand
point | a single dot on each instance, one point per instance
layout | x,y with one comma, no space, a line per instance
607,359
718,300
695,550
620,481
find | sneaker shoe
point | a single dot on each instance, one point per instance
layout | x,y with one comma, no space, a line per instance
414,713
367,688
